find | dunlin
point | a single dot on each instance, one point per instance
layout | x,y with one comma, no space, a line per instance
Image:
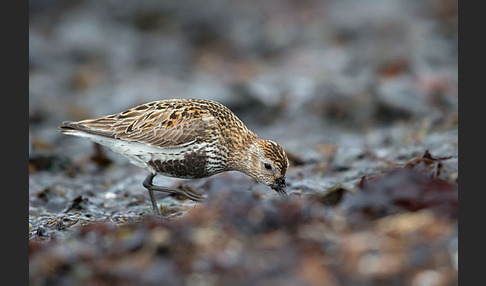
186,138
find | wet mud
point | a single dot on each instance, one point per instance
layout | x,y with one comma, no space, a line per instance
363,100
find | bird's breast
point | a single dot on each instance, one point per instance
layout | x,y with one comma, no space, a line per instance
192,163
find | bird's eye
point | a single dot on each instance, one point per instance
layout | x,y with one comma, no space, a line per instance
267,166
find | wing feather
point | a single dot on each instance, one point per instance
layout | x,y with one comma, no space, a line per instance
159,124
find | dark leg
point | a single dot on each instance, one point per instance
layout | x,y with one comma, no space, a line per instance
147,183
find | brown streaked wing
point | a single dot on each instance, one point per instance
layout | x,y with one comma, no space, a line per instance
166,127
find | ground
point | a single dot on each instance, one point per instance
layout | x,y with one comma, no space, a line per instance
361,95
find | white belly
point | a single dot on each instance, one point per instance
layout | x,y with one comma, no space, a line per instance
138,153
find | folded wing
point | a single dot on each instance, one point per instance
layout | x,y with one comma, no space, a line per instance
161,124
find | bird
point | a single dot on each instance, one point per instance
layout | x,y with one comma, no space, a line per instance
188,139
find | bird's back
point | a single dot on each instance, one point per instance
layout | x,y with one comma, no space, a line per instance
185,138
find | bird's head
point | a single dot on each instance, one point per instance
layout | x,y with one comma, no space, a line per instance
268,164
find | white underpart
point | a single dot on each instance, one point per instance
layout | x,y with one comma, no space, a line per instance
138,153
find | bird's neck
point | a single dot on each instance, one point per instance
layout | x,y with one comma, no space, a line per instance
244,159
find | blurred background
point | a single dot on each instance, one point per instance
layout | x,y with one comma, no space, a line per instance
348,88
287,68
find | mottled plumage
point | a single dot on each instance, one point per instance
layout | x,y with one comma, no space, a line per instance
186,138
